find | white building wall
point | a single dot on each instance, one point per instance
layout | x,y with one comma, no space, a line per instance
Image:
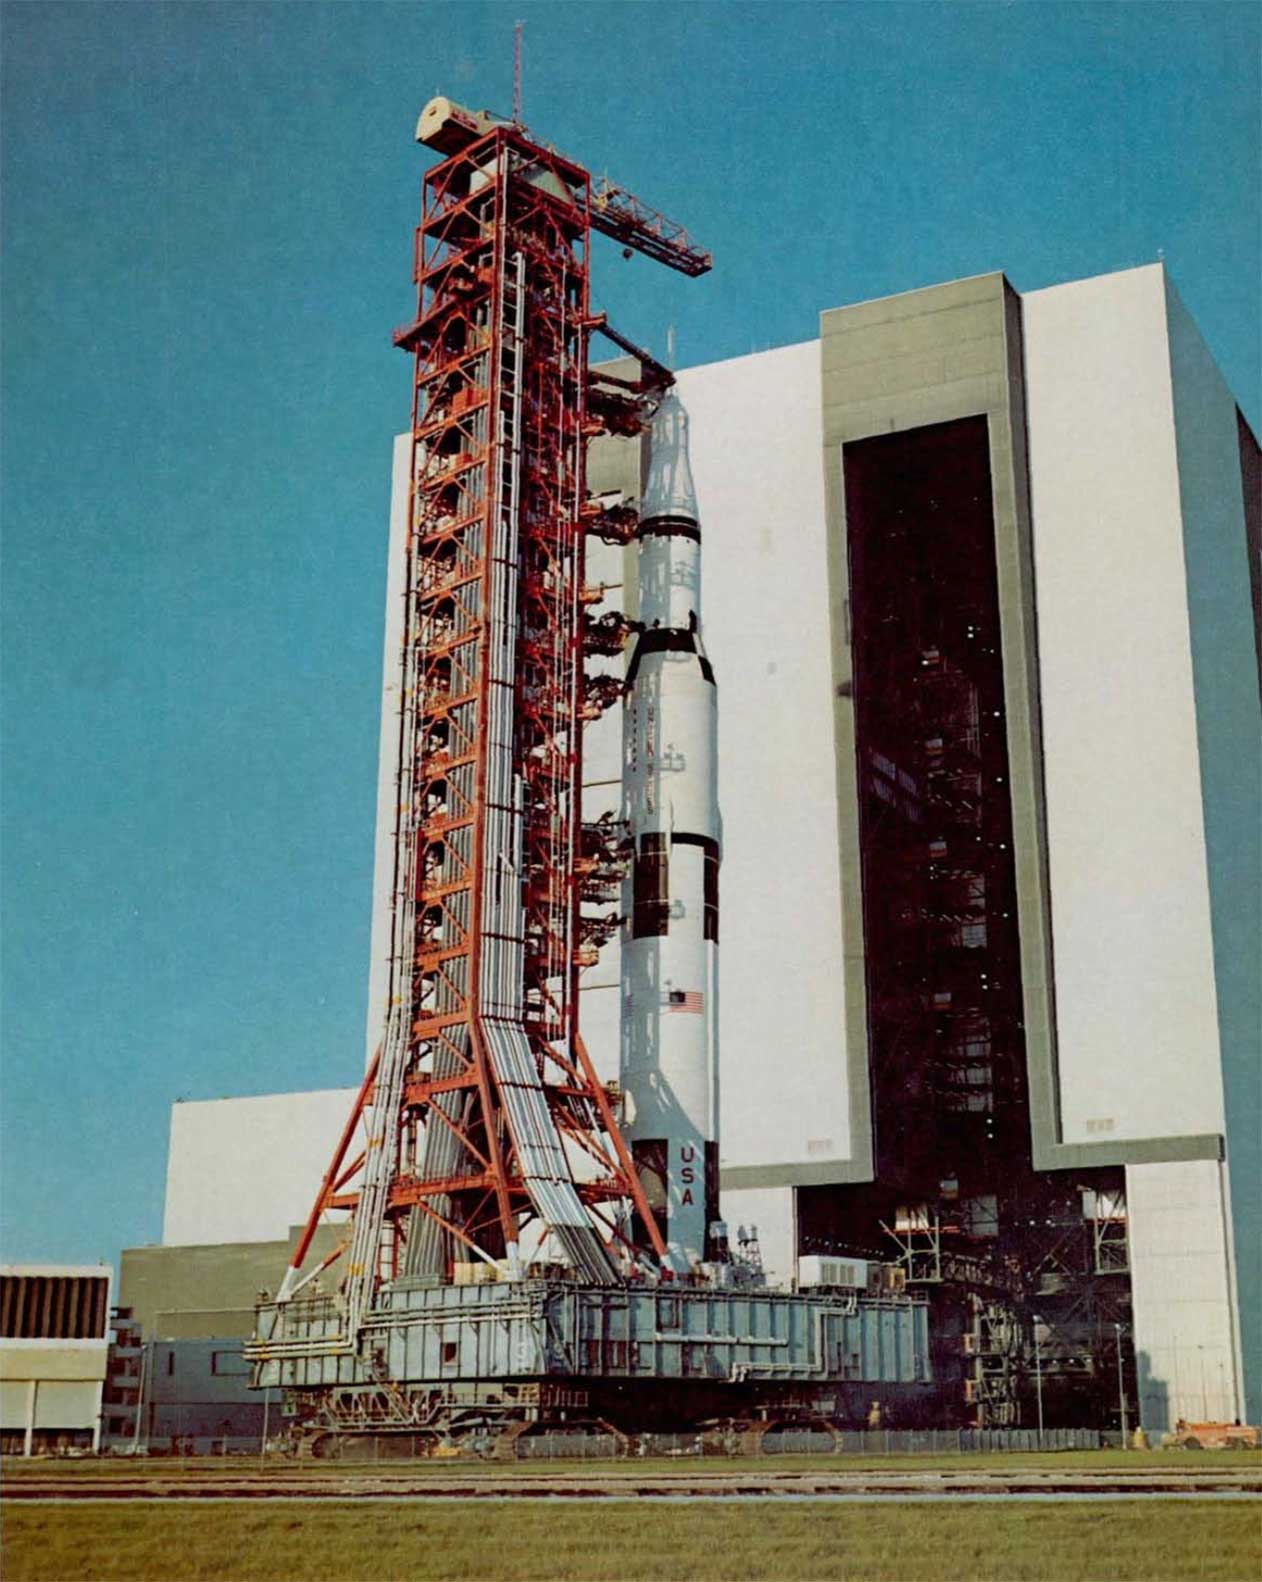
755,428
52,1385
772,1212
1186,1345
600,1004
1138,540
248,1169
1136,1009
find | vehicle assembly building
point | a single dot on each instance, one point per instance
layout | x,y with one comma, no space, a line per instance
981,622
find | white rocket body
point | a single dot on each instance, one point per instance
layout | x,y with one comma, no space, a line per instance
669,1056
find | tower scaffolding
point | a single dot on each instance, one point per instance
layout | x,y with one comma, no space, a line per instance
483,1113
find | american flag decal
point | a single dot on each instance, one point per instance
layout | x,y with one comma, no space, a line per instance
685,1000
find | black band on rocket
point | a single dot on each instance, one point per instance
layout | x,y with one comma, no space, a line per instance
669,527
684,838
666,640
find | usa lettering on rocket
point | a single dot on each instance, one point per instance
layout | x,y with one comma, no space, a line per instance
669,1053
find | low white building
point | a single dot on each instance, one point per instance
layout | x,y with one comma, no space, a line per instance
54,1352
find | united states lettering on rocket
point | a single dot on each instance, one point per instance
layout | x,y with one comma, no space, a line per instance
669,1053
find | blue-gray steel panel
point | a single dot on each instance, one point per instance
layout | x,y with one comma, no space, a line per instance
529,1329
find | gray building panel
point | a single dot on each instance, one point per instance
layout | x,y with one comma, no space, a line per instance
197,1398
184,1293
946,349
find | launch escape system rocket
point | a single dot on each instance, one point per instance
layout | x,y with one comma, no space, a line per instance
520,1242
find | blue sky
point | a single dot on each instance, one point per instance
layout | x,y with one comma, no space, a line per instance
207,216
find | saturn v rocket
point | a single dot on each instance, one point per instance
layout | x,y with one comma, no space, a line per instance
669,1052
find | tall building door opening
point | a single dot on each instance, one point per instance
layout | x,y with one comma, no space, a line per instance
1009,1255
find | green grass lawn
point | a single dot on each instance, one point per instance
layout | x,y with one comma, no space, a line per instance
622,1541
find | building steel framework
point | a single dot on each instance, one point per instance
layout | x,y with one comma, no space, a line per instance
482,1111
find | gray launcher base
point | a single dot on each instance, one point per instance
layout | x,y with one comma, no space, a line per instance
713,1348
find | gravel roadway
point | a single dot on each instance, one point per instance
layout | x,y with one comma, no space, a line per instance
52,1482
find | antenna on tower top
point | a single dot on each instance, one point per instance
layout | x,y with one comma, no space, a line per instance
518,28
670,346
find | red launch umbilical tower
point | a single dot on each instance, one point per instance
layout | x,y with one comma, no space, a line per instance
482,1110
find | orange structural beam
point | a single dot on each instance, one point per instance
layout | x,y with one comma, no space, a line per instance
331,1175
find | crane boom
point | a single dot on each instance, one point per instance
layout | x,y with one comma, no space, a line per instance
620,214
